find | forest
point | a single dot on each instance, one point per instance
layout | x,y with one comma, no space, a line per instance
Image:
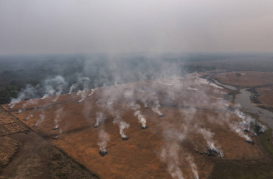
18,71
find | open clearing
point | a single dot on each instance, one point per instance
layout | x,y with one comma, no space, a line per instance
186,112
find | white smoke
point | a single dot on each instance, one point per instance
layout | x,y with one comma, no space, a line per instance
79,92
45,96
20,111
156,106
170,156
29,116
129,96
208,136
103,138
50,93
192,89
55,86
28,102
170,151
235,128
262,127
60,133
40,120
193,166
72,88
26,93
122,125
57,118
83,96
85,81
92,92
100,118
145,104
240,114
58,93
141,118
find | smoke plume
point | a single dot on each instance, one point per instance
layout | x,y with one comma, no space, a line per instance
57,118
103,138
122,125
40,120
26,93
72,88
193,166
100,118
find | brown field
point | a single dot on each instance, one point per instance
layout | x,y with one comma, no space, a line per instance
246,78
185,112
24,154
266,96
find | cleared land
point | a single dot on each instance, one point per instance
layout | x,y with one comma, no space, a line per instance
187,109
24,154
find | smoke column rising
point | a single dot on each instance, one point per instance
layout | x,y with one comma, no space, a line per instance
100,118
57,117
193,167
122,125
40,120
103,138
72,88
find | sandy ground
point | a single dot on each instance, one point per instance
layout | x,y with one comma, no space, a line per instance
24,154
141,155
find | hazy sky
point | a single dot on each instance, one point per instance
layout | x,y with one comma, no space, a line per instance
124,26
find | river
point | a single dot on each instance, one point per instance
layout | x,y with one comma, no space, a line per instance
243,98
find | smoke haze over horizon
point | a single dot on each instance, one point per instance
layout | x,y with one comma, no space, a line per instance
152,26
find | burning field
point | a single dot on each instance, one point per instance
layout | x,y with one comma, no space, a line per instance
177,127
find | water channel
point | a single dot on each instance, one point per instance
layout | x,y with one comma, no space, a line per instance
243,98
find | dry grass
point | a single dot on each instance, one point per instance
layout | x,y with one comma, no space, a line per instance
139,156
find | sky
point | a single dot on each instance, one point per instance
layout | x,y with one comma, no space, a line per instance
135,26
